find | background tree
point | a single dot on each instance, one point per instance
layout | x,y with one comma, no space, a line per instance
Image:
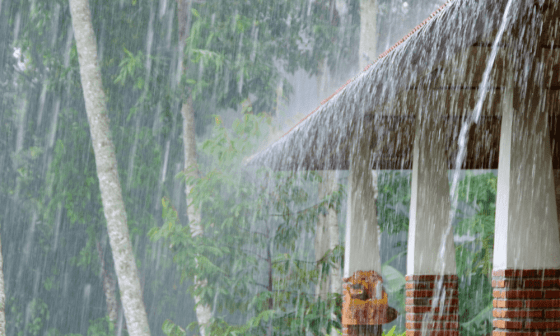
106,162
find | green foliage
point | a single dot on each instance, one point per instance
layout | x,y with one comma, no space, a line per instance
474,260
253,221
391,332
393,201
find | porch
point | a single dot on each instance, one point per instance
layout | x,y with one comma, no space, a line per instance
476,86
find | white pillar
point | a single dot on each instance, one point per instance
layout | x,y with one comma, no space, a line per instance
429,203
526,232
362,247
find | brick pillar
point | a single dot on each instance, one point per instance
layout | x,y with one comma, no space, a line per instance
431,250
526,238
526,302
425,314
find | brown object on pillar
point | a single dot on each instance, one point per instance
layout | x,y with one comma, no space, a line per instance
526,302
365,305
421,292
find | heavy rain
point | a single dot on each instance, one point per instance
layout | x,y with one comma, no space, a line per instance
279,167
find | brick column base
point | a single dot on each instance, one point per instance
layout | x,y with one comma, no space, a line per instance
420,319
526,302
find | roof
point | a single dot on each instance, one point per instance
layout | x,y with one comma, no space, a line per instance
384,99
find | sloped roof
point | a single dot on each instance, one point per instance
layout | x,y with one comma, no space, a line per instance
378,101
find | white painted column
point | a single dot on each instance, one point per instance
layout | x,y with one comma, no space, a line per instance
526,232
362,245
429,204
431,251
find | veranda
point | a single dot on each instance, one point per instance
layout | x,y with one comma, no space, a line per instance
475,86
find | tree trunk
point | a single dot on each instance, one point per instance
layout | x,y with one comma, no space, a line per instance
2,296
106,163
368,32
108,288
326,235
327,231
203,311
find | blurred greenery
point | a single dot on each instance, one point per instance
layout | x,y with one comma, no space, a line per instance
253,251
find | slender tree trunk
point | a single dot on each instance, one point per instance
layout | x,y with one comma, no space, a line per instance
368,32
108,288
322,240
327,238
203,311
327,230
368,49
270,286
368,54
106,163
2,296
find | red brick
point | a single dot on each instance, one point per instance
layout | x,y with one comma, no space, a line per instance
446,317
508,303
419,293
530,273
517,313
420,277
417,301
425,309
410,317
525,273
414,317
413,325
542,304
552,294
447,302
517,294
416,309
446,310
511,283
503,324
542,325
503,283
549,283
419,285
551,272
552,314
552,333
